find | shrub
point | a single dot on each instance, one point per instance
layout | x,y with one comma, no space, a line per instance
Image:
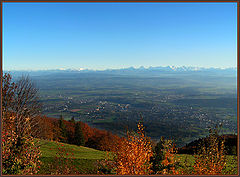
211,157
131,155
169,162
20,154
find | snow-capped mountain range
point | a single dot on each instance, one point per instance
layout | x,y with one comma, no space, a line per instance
132,70
160,68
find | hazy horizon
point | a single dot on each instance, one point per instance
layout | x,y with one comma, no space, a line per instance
82,69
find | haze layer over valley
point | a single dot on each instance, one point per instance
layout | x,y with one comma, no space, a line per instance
178,103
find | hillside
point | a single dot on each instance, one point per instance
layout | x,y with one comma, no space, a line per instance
85,159
93,137
49,149
230,142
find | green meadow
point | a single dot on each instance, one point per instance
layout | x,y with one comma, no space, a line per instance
85,159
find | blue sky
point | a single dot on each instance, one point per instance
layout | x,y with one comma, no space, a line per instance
118,35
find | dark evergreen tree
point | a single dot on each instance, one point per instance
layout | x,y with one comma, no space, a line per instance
158,156
78,135
63,131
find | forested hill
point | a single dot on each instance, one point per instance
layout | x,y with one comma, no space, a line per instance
230,142
65,131
105,140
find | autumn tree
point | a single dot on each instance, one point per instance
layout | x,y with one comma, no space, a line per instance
20,118
169,163
8,91
102,140
49,129
211,158
133,153
26,105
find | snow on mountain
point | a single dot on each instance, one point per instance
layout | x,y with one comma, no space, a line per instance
140,69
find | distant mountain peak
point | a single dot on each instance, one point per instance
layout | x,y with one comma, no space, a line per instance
141,67
171,68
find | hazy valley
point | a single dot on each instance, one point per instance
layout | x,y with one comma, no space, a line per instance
178,103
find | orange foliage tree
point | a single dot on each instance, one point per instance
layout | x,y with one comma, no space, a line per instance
48,129
211,157
169,162
133,153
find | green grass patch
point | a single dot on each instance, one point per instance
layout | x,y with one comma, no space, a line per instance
84,166
85,159
186,162
49,149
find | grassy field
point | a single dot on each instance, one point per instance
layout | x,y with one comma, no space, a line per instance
85,159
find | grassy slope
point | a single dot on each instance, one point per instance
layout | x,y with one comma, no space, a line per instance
49,149
85,158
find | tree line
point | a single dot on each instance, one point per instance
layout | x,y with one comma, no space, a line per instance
78,133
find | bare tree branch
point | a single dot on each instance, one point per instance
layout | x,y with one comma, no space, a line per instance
21,98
